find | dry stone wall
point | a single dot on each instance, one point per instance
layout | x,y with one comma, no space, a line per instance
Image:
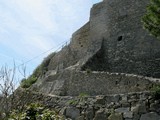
131,106
72,83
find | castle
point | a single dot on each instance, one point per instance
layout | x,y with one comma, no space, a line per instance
111,59
110,54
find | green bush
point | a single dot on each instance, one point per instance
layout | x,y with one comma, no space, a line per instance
156,92
73,102
35,112
38,72
88,71
151,20
47,60
26,83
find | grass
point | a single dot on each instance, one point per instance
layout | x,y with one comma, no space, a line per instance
38,72
26,83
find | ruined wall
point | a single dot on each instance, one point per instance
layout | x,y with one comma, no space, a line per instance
116,26
81,40
75,51
66,57
132,106
128,48
72,83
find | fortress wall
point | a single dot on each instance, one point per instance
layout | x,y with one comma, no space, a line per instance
97,25
72,83
128,47
132,106
113,40
73,52
64,58
81,39
116,26
102,83
81,48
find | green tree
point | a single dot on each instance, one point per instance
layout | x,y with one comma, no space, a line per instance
151,20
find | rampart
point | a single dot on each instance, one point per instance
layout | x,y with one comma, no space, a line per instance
113,40
72,83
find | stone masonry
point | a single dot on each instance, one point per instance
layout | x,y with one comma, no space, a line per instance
73,83
113,40
132,106
107,70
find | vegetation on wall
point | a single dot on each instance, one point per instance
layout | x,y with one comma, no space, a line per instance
156,92
26,83
38,72
151,20
35,111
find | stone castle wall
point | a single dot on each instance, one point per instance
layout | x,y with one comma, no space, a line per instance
113,42
73,52
127,47
72,83
132,106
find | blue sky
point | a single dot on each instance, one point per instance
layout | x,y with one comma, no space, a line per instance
31,27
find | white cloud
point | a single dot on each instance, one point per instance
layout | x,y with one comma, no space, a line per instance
30,27
38,11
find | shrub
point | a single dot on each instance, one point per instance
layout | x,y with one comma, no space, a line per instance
47,60
88,71
151,20
73,102
38,72
26,83
35,111
156,92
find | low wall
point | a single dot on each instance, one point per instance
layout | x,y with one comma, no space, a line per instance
132,106
73,83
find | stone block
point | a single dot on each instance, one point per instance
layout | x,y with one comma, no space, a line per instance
122,110
89,114
114,98
100,115
139,108
128,114
115,116
125,104
100,100
72,112
80,118
142,108
150,116
136,117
